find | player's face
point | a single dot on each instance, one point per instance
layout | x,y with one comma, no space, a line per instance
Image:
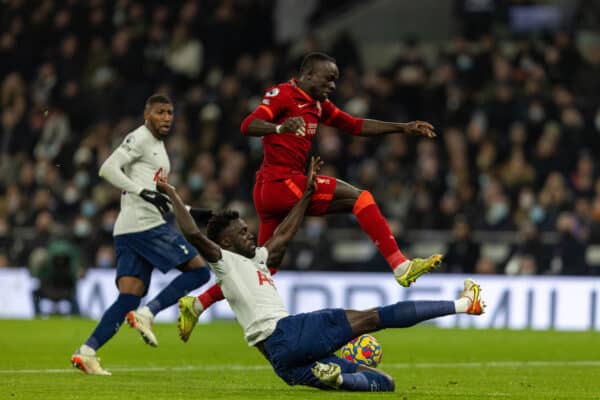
159,117
323,78
243,243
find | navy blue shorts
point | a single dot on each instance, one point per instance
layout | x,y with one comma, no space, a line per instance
162,247
300,340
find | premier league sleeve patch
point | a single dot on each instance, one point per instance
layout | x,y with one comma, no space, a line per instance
128,143
272,93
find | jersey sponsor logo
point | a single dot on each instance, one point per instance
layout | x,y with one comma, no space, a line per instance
323,181
272,93
303,105
185,250
264,278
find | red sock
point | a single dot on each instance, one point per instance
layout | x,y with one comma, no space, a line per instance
372,222
214,293
210,296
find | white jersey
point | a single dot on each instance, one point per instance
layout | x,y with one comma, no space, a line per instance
249,289
135,165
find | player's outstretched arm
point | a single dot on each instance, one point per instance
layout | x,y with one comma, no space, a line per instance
335,117
289,226
373,127
207,248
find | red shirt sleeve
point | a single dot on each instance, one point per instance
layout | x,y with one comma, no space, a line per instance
272,106
337,118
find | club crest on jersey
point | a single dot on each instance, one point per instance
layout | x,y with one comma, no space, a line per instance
272,93
311,128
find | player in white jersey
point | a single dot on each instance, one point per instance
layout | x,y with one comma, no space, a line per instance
143,239
299,347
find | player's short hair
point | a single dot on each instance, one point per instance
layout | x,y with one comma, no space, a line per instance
309,61
158,98
219,222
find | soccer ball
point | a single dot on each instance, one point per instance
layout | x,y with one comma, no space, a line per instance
364,350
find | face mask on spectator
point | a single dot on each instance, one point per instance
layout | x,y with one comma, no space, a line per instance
314,230
71,195
82,229
82,179
195,182
40,172
107,226
104,261
497,212
526,200
537,214
88,208
536,113
3,230
464,62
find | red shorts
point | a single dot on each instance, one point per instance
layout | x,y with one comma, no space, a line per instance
273,200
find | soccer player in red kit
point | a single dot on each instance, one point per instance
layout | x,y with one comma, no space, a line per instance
287,120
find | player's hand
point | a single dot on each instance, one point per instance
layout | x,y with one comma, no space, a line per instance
163,186
311,179
419,128
294,124
160,201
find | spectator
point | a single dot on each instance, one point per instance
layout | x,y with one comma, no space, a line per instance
569,252
518,118
462,253
58,277
485,266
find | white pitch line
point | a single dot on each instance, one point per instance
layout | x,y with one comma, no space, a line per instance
238,367
498,364
222,367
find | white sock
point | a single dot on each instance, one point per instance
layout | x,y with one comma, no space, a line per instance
401,268
145,311
462,305
87,350
198,308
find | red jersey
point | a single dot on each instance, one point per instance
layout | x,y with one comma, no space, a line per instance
286,153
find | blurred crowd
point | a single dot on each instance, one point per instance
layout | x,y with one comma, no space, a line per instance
518,122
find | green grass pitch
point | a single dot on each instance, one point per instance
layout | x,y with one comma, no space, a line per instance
427,363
